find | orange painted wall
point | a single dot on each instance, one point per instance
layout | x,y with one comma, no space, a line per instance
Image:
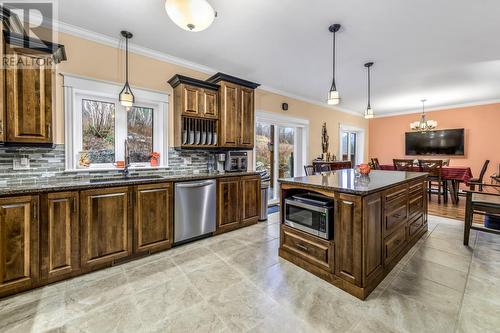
482,135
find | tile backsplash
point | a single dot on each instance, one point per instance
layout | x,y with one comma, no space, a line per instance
48,163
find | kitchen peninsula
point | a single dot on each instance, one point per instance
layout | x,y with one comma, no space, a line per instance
374,222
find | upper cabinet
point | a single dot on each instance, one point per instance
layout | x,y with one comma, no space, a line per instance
216,113
28,82
237,111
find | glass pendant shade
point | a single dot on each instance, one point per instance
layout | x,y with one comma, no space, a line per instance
190,15
369,113
423,124
333,97
126,96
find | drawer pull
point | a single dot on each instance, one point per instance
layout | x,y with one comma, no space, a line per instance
302,247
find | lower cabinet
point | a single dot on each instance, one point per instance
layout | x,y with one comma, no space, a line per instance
19,227
153,217
105,225
59,243
238,202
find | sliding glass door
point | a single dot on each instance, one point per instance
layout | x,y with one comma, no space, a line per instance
279,149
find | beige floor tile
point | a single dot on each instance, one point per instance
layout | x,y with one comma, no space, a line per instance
152,273
197,319
444,275
405,315
480,268
211,279
444,258
196,258
454,246
432,294
486,288
255,258
372,326
478,316
163,300
118,317
489,256
242,307
226,248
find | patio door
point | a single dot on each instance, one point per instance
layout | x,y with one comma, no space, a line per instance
279,148
351,144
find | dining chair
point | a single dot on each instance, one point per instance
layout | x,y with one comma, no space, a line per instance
481,203
434,168
309,170
375,163
474,181
403,165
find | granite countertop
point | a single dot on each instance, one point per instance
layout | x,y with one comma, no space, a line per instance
346,181
52,184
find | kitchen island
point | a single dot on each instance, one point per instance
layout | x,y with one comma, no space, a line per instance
375,221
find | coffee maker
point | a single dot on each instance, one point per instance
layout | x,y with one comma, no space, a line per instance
220,160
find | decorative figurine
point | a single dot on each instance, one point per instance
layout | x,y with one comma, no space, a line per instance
324,139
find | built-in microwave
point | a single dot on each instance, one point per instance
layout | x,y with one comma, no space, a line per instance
311,213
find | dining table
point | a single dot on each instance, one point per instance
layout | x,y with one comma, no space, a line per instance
453,175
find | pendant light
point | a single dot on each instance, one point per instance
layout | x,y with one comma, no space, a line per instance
369,110
191,15
333,95
423,124
126,98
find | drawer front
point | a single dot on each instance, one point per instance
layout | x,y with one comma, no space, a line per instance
395,217
394,244
399,193
416,188
314,251
416,205
415,225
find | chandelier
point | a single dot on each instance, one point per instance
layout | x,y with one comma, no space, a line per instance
423,124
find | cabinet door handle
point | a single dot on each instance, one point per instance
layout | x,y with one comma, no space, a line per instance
35,210
49,131
1,126
302,247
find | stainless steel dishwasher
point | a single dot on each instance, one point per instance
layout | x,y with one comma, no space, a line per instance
195,207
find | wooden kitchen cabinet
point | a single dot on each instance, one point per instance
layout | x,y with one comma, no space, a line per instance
250,199
238,202
105,226
237,111
59,242
153,221
19,229
28,98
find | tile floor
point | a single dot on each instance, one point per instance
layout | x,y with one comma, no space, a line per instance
236,283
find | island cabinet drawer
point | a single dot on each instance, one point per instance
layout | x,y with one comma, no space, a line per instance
416,204
395,216
317,252
394,244
415,225
416,188
396,194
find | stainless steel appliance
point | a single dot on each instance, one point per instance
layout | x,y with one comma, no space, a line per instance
220,160
311,213
236,161
194,213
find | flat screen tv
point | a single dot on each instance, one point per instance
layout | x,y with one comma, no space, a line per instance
443,142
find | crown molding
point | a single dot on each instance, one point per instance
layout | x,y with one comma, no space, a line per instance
440,108
113,42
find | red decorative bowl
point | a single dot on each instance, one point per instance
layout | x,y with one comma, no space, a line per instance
364,169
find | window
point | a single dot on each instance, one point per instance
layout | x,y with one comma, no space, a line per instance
140,133
97,126
351,144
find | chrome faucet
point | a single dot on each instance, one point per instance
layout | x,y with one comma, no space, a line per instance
127,160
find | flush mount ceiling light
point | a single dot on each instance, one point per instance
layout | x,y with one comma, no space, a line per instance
126,96
191,15
369,110
423,124
333,95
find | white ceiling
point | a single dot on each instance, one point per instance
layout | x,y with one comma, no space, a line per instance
447,51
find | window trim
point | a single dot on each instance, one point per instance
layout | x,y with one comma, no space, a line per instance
75,87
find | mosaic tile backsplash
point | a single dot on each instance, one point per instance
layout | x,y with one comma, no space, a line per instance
47,164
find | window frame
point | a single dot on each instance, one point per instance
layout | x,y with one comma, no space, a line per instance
78,88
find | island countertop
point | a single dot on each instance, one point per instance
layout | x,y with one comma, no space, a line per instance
346,180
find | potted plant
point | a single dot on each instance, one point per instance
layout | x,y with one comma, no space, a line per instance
154,158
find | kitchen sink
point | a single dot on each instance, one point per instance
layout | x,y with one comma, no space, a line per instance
132,178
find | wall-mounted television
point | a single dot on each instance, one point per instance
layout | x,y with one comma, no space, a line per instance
442,142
